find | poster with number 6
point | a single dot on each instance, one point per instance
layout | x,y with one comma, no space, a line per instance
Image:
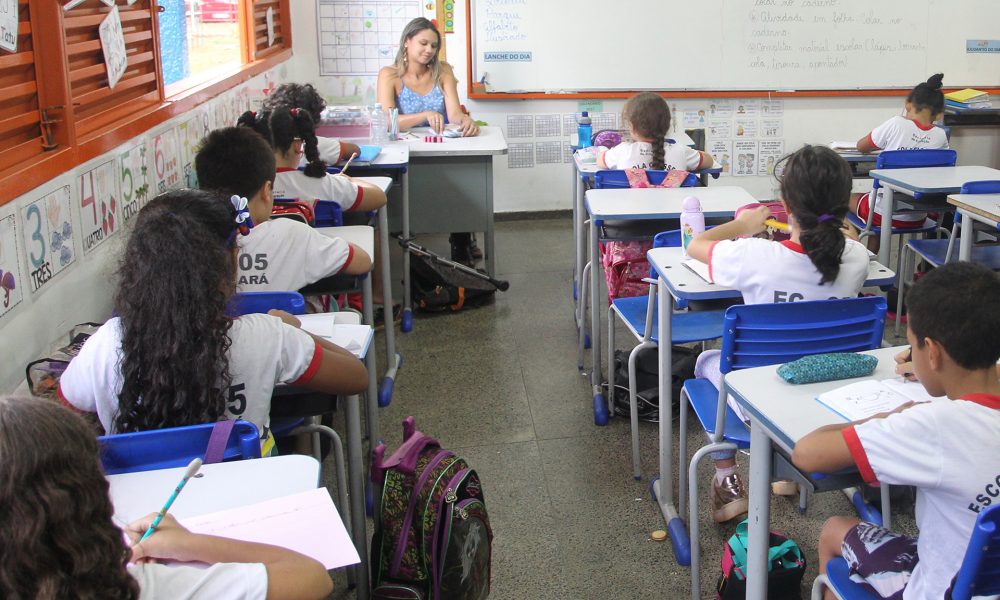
48,237
10,275
100,209
166,162
134,179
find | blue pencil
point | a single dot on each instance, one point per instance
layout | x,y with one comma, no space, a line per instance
191,470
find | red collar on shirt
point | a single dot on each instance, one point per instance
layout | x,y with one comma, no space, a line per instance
792,246
285,170
921,126
987,400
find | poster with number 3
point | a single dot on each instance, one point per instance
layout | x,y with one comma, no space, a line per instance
10,279
48,237
100,213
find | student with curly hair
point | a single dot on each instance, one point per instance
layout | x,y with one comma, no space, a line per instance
59,540
305,97
173,355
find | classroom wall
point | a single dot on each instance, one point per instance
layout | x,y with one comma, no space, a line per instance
548,186
38,321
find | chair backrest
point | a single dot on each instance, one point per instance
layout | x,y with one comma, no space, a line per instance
903,159
616,179
245,303
173,447
325,213
979,574
990,186
756,335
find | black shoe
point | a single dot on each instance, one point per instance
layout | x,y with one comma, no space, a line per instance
462,248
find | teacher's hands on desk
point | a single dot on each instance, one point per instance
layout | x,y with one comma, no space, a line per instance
466,125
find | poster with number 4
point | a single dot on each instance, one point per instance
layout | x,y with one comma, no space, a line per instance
48,237
100,210
10,275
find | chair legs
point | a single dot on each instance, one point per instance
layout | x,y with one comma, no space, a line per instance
340,465
633,405
581,312
819,584
693,526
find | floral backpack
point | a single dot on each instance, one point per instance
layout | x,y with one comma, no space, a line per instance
625,263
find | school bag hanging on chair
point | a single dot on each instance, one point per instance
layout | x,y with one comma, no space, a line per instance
432,539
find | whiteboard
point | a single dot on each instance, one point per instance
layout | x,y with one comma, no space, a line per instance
594,45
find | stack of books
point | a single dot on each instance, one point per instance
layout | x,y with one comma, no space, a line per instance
967,99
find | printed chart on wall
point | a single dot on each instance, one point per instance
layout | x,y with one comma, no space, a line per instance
10,275
48,237
134,179
100,211
358,37
189,133
166,162
744,136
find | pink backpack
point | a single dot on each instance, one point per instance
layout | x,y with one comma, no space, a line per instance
777,213
625,263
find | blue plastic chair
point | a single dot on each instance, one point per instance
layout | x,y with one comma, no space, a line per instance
938,252
639,315
616,178
979,574
173,447
758,335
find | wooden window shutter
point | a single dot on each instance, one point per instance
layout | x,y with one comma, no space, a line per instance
258,28
21,136
97,108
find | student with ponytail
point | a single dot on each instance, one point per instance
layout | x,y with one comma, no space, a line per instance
305,96
914,130
292,133
648,119
818,262
173,355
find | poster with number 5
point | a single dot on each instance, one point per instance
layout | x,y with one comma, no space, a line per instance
166,162
100,210
48,237
10,275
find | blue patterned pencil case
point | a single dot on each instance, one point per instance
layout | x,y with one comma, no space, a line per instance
827,367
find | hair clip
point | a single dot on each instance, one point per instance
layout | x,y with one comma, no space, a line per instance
825,217
294,111
244,223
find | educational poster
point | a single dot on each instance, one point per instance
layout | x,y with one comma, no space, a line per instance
768,152
548,153
350,90
721,109
695,118
548,125
48,237
520,156
10,275
722,154
357,38
189,134
166,162
748,107
100,212
772,128
571,122
744,128
521,126
772,108
604,120
133,179
746,158
113,44
719,129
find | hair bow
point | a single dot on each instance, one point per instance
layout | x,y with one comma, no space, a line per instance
244,223
295,112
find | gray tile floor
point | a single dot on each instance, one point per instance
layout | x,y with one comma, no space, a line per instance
500,386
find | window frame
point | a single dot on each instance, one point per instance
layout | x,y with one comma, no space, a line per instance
52,77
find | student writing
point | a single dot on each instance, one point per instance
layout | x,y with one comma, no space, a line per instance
305,97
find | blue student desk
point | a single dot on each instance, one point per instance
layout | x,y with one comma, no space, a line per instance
923,180
674,280
975,208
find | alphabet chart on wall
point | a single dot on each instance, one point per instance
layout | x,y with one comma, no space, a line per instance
48,236
166,162
10,274
358,37
134,179
100,212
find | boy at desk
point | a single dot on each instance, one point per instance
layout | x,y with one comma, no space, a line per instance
949,450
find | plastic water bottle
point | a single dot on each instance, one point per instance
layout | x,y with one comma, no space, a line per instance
692,221
584,131
379,125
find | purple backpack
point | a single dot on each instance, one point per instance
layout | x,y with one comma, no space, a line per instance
432,539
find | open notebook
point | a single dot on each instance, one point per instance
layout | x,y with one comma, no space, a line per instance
867,398
351,337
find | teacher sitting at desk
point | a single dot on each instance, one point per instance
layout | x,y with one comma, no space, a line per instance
425,90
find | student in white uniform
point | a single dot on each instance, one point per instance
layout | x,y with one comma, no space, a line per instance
59,540
949,450
172,356
648,118
818,262
291,133
305,96
278,254
914,131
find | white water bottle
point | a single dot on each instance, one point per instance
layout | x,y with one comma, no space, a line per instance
692,221
379,125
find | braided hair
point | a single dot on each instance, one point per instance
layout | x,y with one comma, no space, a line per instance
816,187
281,127
928,95
649,116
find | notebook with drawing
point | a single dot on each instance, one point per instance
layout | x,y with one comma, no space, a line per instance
867,398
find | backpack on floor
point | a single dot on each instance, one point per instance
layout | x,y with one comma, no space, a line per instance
785,567
647,368
437,288
432,539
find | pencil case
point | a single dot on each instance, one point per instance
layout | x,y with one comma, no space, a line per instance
827,367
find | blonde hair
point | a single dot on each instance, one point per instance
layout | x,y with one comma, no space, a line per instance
412,29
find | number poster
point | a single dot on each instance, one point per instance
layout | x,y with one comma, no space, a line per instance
134,179
100,213
48,237
166,162
10,278
189,134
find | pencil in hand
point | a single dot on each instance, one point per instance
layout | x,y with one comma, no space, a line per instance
343,170
192,468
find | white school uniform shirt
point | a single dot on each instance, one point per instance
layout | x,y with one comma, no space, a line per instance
294,184
900,133
287,255
265,352
765,271
949,450
234,581
329,149
638,155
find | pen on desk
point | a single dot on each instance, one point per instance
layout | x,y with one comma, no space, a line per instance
191,470
343,170
777,224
